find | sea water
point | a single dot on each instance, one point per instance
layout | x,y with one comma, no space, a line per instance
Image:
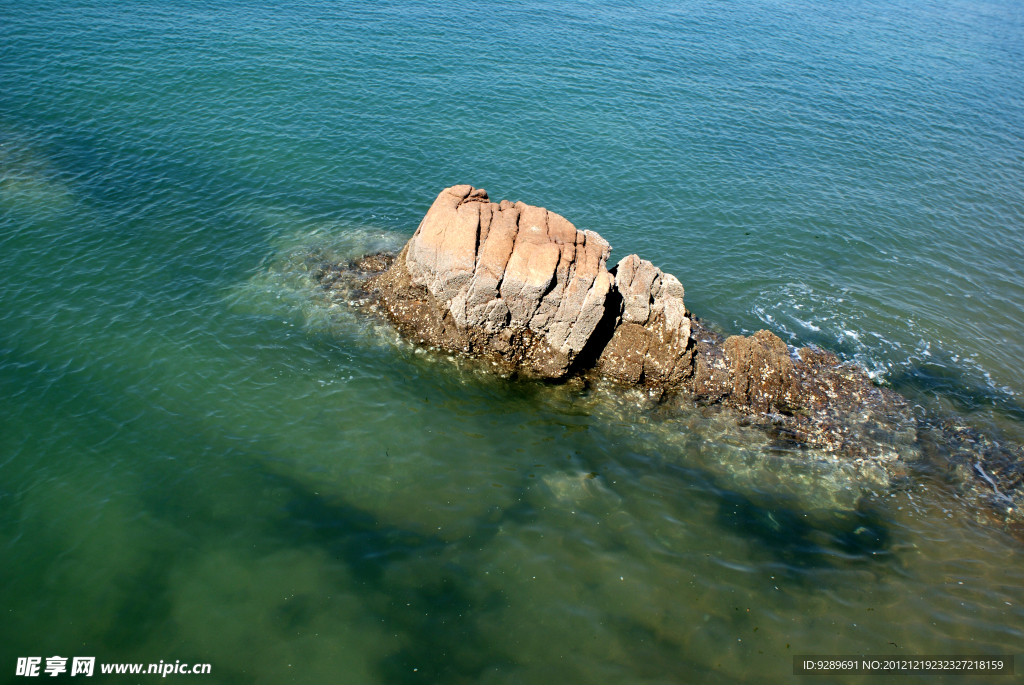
203,459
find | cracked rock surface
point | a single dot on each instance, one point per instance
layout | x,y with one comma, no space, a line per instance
505,279
521,285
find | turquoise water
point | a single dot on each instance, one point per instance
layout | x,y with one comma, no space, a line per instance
203,460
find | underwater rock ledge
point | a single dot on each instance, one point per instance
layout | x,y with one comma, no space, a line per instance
521,287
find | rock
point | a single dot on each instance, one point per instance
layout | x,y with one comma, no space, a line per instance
442,254
760,372
624,356
374,263
504,279
711,381
651,343
521,285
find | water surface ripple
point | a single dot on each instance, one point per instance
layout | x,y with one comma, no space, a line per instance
203,460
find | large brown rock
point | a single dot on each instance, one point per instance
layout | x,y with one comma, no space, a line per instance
508,279
711,380
517,283
520,284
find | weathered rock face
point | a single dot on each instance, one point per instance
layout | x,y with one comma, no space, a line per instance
755,373
761,372
652,339
503,279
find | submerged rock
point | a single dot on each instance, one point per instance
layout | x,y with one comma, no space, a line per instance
522,287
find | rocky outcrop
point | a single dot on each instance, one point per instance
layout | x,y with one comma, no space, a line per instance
509,281
522,287
761,372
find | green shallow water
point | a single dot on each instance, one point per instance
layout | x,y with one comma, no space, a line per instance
202,460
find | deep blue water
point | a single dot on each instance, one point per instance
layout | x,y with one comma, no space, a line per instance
201,461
